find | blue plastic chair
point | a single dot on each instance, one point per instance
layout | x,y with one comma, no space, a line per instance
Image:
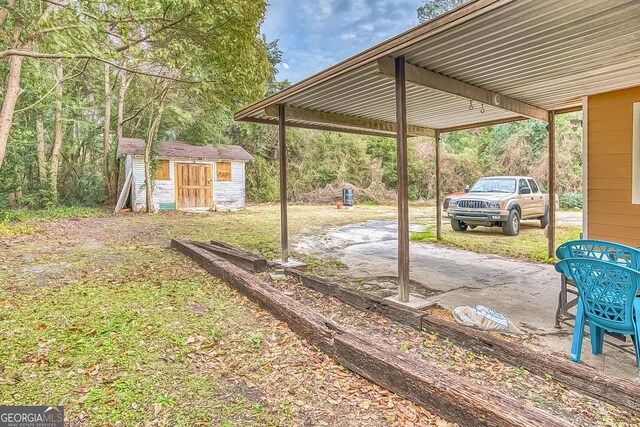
593,249
607,297
600,250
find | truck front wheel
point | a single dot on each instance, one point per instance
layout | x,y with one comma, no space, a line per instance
511,227
458,225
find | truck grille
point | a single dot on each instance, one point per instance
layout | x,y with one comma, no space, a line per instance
473,204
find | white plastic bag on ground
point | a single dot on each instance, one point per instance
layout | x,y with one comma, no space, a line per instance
484,318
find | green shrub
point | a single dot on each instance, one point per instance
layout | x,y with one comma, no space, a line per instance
262,180
571,201
21,215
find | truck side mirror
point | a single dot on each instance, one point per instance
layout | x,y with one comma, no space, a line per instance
525,191
466,189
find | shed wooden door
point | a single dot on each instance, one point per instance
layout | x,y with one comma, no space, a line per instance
193,185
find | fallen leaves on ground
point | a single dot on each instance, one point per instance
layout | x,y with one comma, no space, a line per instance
542,393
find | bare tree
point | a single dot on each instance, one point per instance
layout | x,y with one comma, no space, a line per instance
57,133
11,94
106,136
124,85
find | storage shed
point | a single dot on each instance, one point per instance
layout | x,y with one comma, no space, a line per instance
187,176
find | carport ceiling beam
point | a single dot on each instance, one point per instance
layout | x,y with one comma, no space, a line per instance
484,124
432,80
325,117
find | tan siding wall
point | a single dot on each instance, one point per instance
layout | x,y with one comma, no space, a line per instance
611,214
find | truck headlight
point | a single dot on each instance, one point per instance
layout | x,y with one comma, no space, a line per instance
453,203
494,204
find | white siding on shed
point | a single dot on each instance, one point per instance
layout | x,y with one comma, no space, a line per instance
164,190
138,183
230,195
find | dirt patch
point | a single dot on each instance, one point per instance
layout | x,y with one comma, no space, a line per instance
33,276
249,392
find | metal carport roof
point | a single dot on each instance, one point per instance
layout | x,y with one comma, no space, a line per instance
546,54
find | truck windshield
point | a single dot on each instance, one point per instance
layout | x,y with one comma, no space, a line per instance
494,185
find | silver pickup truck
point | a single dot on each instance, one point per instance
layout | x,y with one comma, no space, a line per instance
499,201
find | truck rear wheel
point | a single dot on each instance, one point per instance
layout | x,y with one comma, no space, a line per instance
511,227
458,225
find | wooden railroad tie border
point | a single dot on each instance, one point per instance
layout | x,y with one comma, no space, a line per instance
241,259
619,392
616,391
446,394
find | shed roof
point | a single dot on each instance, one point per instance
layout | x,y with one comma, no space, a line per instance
184,150
545,54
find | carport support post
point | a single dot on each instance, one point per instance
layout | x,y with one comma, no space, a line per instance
551,232
403,191
282,146
438,195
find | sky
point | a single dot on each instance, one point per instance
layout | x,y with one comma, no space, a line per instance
315,34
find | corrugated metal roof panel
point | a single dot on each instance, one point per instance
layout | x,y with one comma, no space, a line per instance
546,53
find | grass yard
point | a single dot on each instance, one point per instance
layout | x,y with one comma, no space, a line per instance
99,315
530,244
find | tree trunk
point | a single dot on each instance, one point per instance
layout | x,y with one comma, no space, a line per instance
106,142
151,134
154,123
42,160
57,136
124,84
11,95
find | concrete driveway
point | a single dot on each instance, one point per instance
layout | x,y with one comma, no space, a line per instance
526,292
569,217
